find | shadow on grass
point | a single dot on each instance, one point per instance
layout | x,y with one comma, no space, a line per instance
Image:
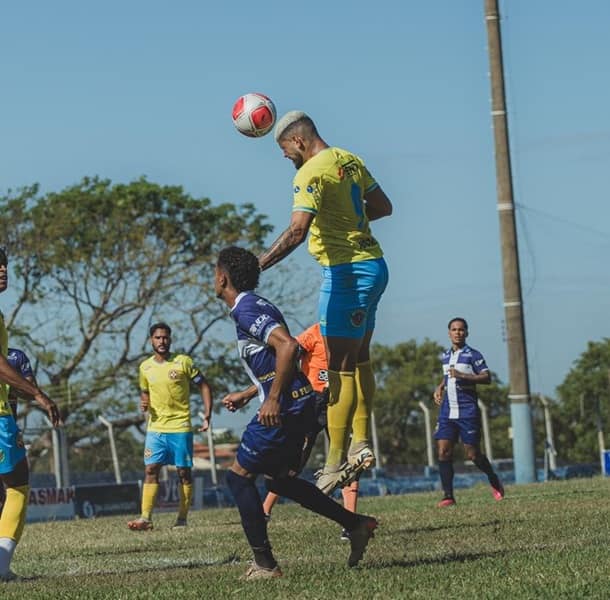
428,528
232,558
439,560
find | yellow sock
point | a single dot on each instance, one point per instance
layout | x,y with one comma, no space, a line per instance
149,496
342,387
14,511
185,491
365,385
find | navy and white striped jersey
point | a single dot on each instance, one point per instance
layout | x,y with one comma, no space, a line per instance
460,396
255,319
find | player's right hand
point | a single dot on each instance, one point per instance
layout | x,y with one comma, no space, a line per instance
438,395
233,401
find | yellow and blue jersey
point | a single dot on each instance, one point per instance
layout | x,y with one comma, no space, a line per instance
5,407
168,385
331,185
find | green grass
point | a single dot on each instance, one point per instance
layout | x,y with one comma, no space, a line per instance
543,541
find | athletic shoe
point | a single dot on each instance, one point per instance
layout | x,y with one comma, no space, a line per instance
140,525
359,537
361,459
256,572
497,489
329,480
446,501
345,535
179,524
9,576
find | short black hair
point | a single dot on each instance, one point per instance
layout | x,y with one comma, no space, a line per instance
241,266
160,325
458,319
3,256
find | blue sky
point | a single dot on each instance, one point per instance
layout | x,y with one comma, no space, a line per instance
131,88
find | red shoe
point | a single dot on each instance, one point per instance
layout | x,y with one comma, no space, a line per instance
140,525
447,501
497,489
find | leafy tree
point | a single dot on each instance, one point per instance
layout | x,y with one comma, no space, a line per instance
94,265
584,404
407,374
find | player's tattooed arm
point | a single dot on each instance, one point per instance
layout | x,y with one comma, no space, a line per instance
288,240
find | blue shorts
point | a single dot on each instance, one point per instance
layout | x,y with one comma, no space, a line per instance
12,449
169,449
276,451
469,430
349,296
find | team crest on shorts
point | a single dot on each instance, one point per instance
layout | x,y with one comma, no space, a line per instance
357,317
173,374
147,452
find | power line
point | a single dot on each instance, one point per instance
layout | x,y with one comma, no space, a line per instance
563,221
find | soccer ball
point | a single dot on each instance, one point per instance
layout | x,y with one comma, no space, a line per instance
254,114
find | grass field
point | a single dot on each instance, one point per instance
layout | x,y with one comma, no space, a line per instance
543,541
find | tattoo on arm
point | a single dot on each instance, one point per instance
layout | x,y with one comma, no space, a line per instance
282,247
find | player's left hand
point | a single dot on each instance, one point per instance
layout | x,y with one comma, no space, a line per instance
269,413
205,424
456,374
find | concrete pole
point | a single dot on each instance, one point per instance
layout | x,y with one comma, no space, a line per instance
212,449
519,394
61,465
486,436
429,443
548,426
113,452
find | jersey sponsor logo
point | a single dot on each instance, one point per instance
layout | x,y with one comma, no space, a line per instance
302,391
366,243
349,168
266,377
258,323
357,317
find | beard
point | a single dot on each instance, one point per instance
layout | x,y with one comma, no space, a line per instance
297,161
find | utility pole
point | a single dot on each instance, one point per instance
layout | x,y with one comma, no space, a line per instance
519,395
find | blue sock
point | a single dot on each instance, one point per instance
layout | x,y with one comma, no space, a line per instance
445,469
252,517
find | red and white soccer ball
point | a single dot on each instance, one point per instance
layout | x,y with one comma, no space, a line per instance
254,114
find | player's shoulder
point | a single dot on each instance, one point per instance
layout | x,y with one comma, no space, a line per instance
147,364
181,357
16,355
473,352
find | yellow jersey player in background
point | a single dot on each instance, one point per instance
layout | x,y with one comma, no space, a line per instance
165,380
335,197
14,470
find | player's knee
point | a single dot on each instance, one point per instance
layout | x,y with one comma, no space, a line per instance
185,475
445,454
152,473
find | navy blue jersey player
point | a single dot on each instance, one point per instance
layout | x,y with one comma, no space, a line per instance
459,416
273,440
19,360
